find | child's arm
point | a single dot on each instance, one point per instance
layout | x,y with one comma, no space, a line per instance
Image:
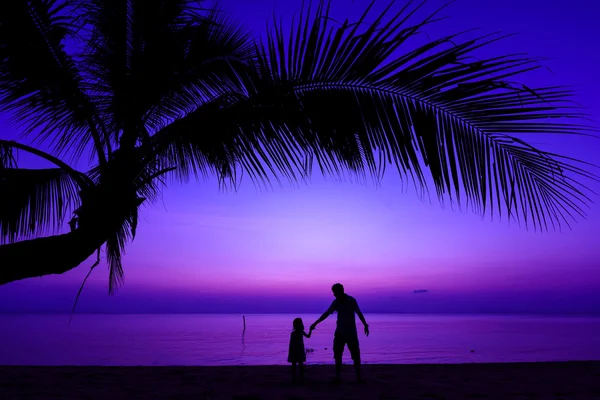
307,334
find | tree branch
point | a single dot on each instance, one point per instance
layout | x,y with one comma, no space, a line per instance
52,255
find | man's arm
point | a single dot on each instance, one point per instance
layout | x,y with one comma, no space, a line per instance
361,317
323,317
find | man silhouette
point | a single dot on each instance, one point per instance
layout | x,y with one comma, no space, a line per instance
345,331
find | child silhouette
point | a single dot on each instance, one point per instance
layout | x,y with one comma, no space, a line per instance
297,353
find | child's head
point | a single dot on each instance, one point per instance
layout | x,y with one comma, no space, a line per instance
298,324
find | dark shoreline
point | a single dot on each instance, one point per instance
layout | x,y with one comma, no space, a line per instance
545,380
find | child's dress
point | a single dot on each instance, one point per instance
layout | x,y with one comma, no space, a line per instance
297,353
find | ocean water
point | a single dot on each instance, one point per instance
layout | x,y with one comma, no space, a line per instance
203,339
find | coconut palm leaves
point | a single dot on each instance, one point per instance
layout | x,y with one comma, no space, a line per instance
35,201
39,201
434,105
158,88
151,61
40,84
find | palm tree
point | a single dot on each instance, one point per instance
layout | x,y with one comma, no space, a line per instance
157,89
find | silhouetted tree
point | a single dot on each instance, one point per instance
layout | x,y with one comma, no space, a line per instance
154,89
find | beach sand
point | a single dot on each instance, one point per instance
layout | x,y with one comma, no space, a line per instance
567,380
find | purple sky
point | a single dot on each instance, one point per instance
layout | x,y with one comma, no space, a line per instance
201,250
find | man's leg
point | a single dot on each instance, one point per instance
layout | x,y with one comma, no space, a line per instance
338,350
338,368
354,349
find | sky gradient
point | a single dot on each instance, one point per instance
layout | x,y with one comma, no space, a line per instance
201,250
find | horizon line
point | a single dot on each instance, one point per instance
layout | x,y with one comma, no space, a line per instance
547,314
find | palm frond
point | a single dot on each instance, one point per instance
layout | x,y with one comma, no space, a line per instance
341,97
200,144
39,82
34,202
155,59
115,246
7,156
126,183
216,50
235,133
121,219
8,159
116,243
361,105
145,176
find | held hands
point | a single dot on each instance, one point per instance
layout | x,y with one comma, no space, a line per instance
313,327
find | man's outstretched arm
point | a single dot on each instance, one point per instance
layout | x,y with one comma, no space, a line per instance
362,319
323,317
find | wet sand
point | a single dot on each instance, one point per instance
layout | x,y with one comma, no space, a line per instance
564,380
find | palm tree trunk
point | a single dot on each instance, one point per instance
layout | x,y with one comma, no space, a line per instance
46,256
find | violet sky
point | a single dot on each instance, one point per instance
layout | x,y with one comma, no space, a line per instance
200,250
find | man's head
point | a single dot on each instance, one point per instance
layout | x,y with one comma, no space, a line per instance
338,290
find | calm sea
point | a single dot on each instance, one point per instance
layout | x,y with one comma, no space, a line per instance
201,339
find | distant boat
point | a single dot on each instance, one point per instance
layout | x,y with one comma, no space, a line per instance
420,291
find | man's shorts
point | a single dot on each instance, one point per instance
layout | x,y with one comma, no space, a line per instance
340,340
